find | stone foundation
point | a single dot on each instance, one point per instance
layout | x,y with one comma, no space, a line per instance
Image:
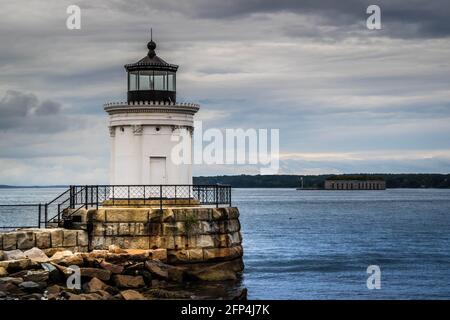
49,240
190,235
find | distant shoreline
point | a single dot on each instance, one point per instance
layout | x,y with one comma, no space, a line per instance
393,181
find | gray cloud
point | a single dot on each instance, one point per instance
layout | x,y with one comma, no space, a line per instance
308,68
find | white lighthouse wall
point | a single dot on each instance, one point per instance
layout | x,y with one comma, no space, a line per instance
131,153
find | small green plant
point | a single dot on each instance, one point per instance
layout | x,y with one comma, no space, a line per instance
190,223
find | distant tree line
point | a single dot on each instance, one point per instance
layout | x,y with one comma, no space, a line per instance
317,181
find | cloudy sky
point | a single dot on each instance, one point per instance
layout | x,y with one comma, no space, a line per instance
345,98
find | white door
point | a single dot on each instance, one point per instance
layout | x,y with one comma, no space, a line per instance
157,170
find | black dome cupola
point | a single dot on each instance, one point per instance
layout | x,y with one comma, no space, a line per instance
151,78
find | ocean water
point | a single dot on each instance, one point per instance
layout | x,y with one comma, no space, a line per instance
318,244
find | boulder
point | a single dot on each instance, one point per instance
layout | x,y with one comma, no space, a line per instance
115,249
14,255
73,260
166,294
13,280
124,281
36,276
3,272
30,286
53,272
94,285
101,274
15,265
10,289
36,255
60,255
157,269
133,268
115,269
165,271
2,255
132,295
215,272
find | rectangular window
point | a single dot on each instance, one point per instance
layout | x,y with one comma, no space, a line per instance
171,81
145,80
132,84
160,80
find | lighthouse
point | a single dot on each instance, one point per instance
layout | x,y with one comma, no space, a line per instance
146,128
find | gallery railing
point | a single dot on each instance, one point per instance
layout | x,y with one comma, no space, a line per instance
76,198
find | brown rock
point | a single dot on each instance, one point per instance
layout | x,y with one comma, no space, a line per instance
73,260
36,276
10,241
3,272
14,280
115,249
61,255
115,269
158,254
15,265
123,281
101,274
217,271
132,295
164,271
36,255
157,269
14,255
10,289
25,240
94,285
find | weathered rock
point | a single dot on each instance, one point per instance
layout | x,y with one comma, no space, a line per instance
33,296
69,238
36,255
101,274
61,255
36,276
13,280
94,285
115,249
164,271
115,269
53,292
25,240
3,272
132,295
10,241
15,265
158,254
10,289
53,272
2,255
156,269
124,281
73,260
30,286
14,255
217,271
165,294
134,268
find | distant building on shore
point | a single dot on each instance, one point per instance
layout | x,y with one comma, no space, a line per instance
345,182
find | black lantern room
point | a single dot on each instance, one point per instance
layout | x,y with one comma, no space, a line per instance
151,78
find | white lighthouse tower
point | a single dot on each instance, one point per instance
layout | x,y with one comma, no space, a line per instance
144,130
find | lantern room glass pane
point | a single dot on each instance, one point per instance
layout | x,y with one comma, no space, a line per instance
145,80
171,81
160,80
133,80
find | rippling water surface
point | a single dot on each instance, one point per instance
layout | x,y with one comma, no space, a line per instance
318,244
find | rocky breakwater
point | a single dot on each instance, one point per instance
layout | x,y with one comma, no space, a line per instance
112,274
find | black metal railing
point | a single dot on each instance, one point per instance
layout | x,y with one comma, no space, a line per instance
67,204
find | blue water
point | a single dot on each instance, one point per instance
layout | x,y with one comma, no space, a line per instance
318,244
